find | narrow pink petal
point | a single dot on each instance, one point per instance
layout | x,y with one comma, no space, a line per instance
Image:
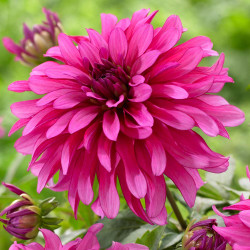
86,177
158,156
111,125
83,118
140,114
118,45
134,177
25,109
19,86
52,241
69,51
245,218
108,195
171,117
96,39
104,152
55,53
139,43
169,91
19,124
144,62
69,100
108,24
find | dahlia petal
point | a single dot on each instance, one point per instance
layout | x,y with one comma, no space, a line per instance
136,80
45,173
25,109
114,103
169,91
108,23
144,62
60,124
239,247
189,60
136,133
140,93
140,114
213,100
248,172
41,85
68,72
237,233
90,52
11,46
139,43
172,118
173,21
19,124
156,195
118,45
40,69
245,217
83,118
96,39
108,195
134,203
91,133
111,125
165,40
19,86
134,177
52,241
69,51
68,151
241,206
35,120
160,219
158,156
69,100
86,177
123,24
97,208
183,180
89,241
55,53
104,152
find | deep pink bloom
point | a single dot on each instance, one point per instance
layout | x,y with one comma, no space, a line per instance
237,230
37,41
123,104
89,242
1,128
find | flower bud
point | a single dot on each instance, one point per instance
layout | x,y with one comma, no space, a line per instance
201,236
37,41
24,217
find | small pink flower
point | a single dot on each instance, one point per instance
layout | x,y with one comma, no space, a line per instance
37,41
123,104
89,242
237,230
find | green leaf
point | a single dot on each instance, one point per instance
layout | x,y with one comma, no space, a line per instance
170,239
152,238
119,228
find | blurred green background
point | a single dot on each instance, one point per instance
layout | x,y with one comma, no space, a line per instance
226,22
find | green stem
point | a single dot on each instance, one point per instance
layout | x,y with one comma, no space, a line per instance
176,209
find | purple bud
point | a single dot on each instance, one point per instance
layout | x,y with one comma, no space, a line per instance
22,216
36,41
201,236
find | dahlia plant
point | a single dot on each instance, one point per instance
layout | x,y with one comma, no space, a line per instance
122,104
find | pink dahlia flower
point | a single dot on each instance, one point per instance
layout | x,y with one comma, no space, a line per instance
237,230
37,41
123,104
89,242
